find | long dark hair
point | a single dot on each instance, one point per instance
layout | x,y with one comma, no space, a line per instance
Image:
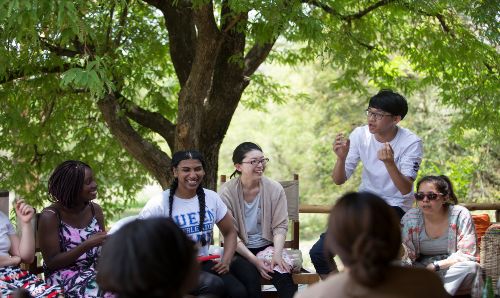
365,233
147,258
239,154
66,182
176,159
442,184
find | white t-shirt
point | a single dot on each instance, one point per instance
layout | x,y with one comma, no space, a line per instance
6,229
186,213
408,152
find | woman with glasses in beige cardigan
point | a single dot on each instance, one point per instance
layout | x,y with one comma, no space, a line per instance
259,208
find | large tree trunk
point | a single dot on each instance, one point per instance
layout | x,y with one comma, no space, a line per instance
211,88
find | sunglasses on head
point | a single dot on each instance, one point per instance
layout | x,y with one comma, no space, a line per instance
419,196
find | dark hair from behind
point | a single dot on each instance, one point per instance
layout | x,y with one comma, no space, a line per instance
177,157
66,182
443,185
390,102
148,258
240,152
365,233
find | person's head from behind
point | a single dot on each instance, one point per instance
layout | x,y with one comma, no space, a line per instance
365,233
148,258
249,160
435,193
72,182
188,168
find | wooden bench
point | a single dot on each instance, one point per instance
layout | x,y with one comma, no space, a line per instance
291,188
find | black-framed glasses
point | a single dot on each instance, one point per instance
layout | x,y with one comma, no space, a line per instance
255,162
420,196
377,116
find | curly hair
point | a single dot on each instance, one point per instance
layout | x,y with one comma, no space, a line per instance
66,182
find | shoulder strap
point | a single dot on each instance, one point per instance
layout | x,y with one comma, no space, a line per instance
92,209
54,210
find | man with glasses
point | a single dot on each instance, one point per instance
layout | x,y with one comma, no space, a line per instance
391,156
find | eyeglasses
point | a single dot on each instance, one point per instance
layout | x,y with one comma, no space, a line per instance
255,162
420,196
377,116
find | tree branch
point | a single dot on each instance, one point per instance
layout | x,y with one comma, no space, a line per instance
110,26
193,95
438,16
228,79
152,120
181,34
445,27
367,10
234,21
121,24
20,74
151,157
361,43
255,57
328,9
59,51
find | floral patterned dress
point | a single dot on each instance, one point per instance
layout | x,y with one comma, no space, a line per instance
78,279
13,278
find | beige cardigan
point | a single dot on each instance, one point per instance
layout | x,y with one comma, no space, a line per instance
272,203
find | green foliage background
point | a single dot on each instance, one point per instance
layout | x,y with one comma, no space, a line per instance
59,57
297,136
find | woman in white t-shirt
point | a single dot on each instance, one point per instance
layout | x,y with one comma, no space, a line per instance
195,210
14,250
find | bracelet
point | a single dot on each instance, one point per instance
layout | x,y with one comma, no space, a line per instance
436,266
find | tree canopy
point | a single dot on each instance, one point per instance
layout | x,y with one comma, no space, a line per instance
123,83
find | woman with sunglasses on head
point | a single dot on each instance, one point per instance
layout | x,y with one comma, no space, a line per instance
196,210
440,235
259,207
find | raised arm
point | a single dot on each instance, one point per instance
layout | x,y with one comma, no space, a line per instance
24,247
341,149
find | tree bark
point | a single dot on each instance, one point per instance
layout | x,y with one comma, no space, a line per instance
212,83
152,158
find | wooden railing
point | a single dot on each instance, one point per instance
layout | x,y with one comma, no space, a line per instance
304,208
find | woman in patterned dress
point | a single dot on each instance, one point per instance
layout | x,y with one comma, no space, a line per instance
72,230
14,250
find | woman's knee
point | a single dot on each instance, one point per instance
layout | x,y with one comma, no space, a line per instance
210,284
318,249
247,274
467,267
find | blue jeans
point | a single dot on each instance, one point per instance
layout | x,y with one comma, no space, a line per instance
322,259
